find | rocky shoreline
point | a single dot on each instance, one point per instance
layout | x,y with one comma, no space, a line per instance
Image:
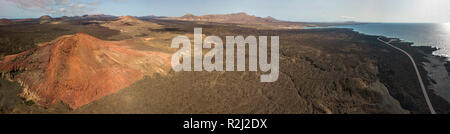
438,70
447,67
435,72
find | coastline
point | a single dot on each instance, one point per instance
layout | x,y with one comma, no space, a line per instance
435,72
395,36
399,81
437,66
438,70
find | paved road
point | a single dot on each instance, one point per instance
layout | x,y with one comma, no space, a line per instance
430,106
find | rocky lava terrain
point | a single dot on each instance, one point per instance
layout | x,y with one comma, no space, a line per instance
121,66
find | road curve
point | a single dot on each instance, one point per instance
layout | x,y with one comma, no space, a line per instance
425,94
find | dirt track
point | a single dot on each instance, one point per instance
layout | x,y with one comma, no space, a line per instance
425,94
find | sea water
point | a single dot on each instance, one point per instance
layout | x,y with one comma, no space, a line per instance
436,35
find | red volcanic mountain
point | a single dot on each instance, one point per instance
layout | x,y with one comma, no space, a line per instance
78,69
45,19
5,21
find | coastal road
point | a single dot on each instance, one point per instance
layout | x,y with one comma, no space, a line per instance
425,94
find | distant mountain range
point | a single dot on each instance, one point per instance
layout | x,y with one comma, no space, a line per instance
239,18
243,19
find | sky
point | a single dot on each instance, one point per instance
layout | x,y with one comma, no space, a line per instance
412,11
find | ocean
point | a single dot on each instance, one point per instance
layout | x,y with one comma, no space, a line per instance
436,35
421,34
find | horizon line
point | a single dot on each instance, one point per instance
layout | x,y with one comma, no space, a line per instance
304,21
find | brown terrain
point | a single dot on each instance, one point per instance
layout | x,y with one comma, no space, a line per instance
78,69
45,19
131,27
244,20
120,66
5,21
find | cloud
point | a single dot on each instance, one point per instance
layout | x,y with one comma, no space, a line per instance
448,11
59,7
347,17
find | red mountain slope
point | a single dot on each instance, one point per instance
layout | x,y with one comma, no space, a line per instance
78,69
